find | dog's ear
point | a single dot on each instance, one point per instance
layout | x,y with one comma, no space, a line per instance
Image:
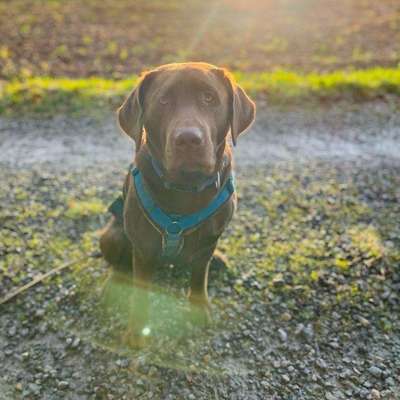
130,114
241,108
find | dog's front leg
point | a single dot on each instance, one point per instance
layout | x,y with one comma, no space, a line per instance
198,295
139,301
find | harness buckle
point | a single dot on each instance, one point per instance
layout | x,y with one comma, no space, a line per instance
174,228
135,171
172,240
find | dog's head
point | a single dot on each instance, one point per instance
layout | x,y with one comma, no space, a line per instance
186,111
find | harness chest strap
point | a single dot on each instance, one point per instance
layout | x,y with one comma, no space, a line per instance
172,227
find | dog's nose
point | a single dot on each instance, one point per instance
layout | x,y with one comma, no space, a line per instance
189,137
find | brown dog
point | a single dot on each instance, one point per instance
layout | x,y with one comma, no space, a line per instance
179,116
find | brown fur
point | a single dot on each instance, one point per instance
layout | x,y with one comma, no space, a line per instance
170,100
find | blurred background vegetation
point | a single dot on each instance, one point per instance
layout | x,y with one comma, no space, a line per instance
273,46
117,38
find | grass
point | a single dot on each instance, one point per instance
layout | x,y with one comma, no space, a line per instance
48,96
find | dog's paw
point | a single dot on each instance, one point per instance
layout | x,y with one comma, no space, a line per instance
200,313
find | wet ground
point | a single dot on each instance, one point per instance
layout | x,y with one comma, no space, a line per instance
308,307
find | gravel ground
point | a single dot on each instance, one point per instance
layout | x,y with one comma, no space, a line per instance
308,307
365,132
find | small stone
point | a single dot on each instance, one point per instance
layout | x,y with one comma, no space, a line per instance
375,371
334,345
12,331
299,329
282,335
76,342
34,388
286,378
390,381
375,394
122,363
25,356
308,331
276,364
363,321
62,385
40,313
18,387
43,328
286,316
24,332
321,363
278,282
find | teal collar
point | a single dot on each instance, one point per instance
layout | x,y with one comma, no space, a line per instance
173,227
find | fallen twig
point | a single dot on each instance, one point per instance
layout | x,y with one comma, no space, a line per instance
41,277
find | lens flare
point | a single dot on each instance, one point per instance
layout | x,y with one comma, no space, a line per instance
146,331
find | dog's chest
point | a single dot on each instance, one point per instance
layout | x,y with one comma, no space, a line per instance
148,240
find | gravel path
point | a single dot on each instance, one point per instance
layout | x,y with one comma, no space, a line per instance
308,309
367,133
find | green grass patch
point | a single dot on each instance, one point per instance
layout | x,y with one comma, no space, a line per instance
48,96
79,209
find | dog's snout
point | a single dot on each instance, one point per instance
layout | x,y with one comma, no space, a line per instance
189,137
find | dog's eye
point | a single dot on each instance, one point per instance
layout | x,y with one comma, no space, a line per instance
208,97
163,100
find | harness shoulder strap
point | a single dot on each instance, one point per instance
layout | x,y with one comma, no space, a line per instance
173,227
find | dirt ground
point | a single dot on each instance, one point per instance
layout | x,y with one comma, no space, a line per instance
308,307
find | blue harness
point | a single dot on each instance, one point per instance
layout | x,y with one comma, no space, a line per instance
172,227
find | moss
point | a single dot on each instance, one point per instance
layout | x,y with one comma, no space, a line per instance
77,209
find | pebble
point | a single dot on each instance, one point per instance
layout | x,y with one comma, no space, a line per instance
375,394
40,313
278,282
34,388
12,331
286,316
308,331
282,335
363,321
122,363
24,332
390,381
375,371
62,385
321,363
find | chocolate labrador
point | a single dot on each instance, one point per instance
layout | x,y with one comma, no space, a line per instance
179,194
